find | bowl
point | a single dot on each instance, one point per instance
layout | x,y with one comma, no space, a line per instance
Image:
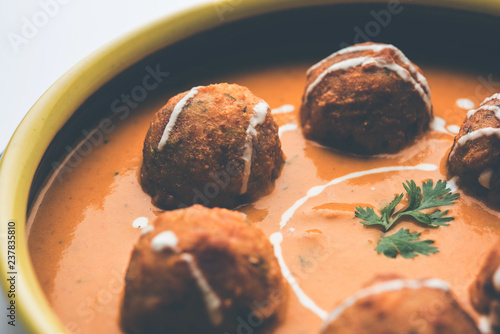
230,32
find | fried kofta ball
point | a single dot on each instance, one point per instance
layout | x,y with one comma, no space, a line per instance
200,270
485,290
216,145
366,99
475,154
396,306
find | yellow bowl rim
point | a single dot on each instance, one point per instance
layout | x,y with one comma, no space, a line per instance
47,116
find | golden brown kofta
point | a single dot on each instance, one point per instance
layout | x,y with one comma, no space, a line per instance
216,145
366,99
485,290
200,270
475,154
396,306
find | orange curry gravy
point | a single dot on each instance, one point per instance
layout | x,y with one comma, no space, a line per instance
81,234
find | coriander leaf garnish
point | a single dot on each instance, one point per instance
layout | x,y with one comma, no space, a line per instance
437,196
405,243
418,199
370,218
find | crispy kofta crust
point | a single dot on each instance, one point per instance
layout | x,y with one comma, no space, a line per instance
412,311
237,260
474,157
363,110
483,295
202,161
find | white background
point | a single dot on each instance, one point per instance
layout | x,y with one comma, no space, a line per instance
72,31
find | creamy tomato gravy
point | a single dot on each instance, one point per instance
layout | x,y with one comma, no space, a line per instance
81,229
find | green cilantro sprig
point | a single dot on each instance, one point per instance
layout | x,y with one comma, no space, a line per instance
405,243
419,199
427,198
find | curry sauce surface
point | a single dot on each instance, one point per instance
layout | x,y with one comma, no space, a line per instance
81,234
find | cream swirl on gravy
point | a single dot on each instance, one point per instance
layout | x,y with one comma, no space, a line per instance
420,84
284,109
140,222
277,237
439,124
286,128
465,103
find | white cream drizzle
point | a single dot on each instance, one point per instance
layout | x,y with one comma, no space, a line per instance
277,237
140,222
377,48
276,240
496,280
258,117
495,109
315,191
175,114
489,131
484,325
287,127
212,301
465,104
493,320
147,229
485,180
164,240
349,49
284,109
439,124
492,97
394,285
452,184
453,129
379,62
168,240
